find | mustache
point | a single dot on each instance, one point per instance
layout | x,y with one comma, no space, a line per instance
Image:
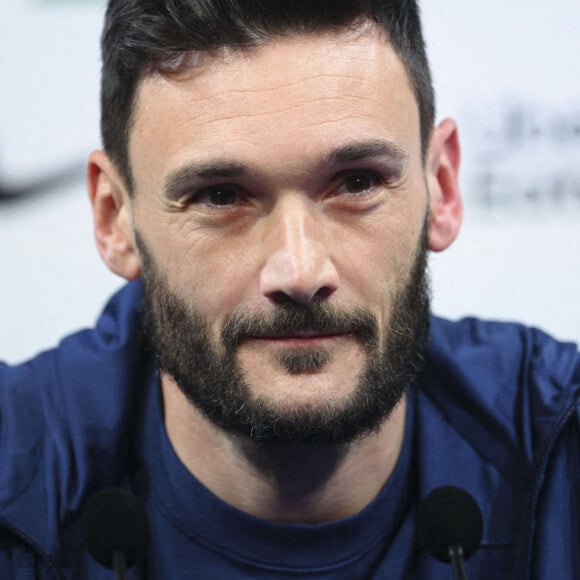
290,318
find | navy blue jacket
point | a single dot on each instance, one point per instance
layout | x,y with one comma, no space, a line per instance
497,414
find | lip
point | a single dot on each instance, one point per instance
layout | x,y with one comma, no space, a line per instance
302,337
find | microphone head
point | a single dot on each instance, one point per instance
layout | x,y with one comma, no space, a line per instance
114,520
447,517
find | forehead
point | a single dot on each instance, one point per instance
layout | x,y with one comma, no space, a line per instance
291,98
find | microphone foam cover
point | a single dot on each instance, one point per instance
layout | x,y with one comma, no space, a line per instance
447,517
113,519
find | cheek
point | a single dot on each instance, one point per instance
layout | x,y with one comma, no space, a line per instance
388,267
377,261
218,276
205,273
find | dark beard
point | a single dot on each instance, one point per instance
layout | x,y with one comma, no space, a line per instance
212,380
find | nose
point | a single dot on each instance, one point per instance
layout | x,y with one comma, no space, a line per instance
299,266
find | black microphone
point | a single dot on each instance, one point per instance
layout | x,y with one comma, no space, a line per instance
115,530
450,526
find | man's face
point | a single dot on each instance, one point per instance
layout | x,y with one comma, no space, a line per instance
280,210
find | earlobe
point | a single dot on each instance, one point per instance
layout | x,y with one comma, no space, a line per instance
112,217
445,206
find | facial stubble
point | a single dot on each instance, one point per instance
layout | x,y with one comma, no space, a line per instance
211,377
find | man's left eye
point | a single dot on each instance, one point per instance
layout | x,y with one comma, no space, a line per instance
357,183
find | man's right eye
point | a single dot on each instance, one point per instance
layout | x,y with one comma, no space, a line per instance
217,195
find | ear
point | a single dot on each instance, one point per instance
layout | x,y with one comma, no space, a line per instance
111,207
442,170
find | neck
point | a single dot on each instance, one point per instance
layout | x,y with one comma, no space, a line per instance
291,483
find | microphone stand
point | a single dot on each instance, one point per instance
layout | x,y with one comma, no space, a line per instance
119,565
457,562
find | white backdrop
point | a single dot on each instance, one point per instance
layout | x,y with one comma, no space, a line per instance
508,73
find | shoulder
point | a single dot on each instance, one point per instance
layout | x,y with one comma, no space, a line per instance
70,411
504,386
497,416
476,344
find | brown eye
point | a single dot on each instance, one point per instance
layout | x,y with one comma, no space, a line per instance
221,196
217,196
357,183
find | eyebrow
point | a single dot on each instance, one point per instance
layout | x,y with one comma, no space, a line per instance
179,181
358,151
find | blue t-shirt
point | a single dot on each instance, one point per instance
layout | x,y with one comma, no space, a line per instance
196,535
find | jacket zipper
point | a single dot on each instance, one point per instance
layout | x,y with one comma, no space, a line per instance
538,482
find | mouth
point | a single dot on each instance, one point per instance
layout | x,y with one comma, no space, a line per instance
302,338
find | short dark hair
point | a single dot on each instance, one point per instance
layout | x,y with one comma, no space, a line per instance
141,36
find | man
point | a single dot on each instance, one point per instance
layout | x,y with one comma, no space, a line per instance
270,384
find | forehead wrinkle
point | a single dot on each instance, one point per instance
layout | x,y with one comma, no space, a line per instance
214,70
322,77
236,115
332,105
297,89
216,112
